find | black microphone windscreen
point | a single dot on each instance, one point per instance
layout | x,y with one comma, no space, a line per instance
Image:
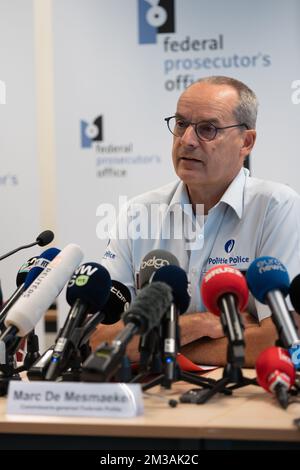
118,301
24,270
91,284
177,279
149,307
294,293
154,260
45,238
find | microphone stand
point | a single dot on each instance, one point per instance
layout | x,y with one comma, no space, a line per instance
72,371
232,374
81,349
150,355
7,368
169,347
32,355
9,371
30,245
295,389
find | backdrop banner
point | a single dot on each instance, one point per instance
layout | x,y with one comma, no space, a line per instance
120,67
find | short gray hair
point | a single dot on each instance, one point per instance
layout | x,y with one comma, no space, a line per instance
246,110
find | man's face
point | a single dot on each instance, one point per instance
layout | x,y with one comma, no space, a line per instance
216,162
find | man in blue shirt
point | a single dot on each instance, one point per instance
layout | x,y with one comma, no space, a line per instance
213,132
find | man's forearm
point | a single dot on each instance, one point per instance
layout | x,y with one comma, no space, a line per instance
195,330
214,351
192,326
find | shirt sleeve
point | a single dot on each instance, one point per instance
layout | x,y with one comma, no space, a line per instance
117,258
280,238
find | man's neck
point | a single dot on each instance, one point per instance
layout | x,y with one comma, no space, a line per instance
206,195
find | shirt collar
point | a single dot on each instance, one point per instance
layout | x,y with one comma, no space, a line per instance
233,196
181,197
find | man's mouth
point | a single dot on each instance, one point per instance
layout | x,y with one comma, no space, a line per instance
191,159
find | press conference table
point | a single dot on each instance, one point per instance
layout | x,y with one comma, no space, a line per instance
248,416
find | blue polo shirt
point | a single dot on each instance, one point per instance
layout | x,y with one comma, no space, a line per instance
253,218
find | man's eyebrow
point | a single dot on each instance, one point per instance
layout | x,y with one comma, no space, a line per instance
178,115
214,121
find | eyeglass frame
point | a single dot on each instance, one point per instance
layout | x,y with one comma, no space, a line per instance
194,125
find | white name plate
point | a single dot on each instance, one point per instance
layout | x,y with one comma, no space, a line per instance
115,400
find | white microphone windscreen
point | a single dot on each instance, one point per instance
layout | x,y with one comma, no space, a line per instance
31,306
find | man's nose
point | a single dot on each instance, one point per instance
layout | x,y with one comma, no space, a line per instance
190,137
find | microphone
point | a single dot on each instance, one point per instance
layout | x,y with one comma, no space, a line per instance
28,310
176,278
269,282
118,301
20,279
42,239
276,373
34,266
225,293
87,292
295,300
143,315
24,270
153,261
40,264
294,293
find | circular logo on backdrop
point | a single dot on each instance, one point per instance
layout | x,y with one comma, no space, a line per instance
156,16
91,131
229,245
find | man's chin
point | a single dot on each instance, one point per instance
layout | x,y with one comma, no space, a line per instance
190,177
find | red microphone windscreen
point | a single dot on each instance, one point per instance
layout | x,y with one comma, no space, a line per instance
272,361
221,280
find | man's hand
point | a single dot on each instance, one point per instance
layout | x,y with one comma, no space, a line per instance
194,326
197,325
248,320
212,325
209,351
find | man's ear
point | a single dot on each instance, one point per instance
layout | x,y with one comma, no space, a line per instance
249,141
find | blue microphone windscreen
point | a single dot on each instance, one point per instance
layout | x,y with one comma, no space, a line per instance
91,284
41,262
176,278
266,274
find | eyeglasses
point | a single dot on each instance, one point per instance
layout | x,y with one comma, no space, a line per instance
205,131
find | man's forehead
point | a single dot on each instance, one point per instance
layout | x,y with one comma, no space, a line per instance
203,97
210,89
